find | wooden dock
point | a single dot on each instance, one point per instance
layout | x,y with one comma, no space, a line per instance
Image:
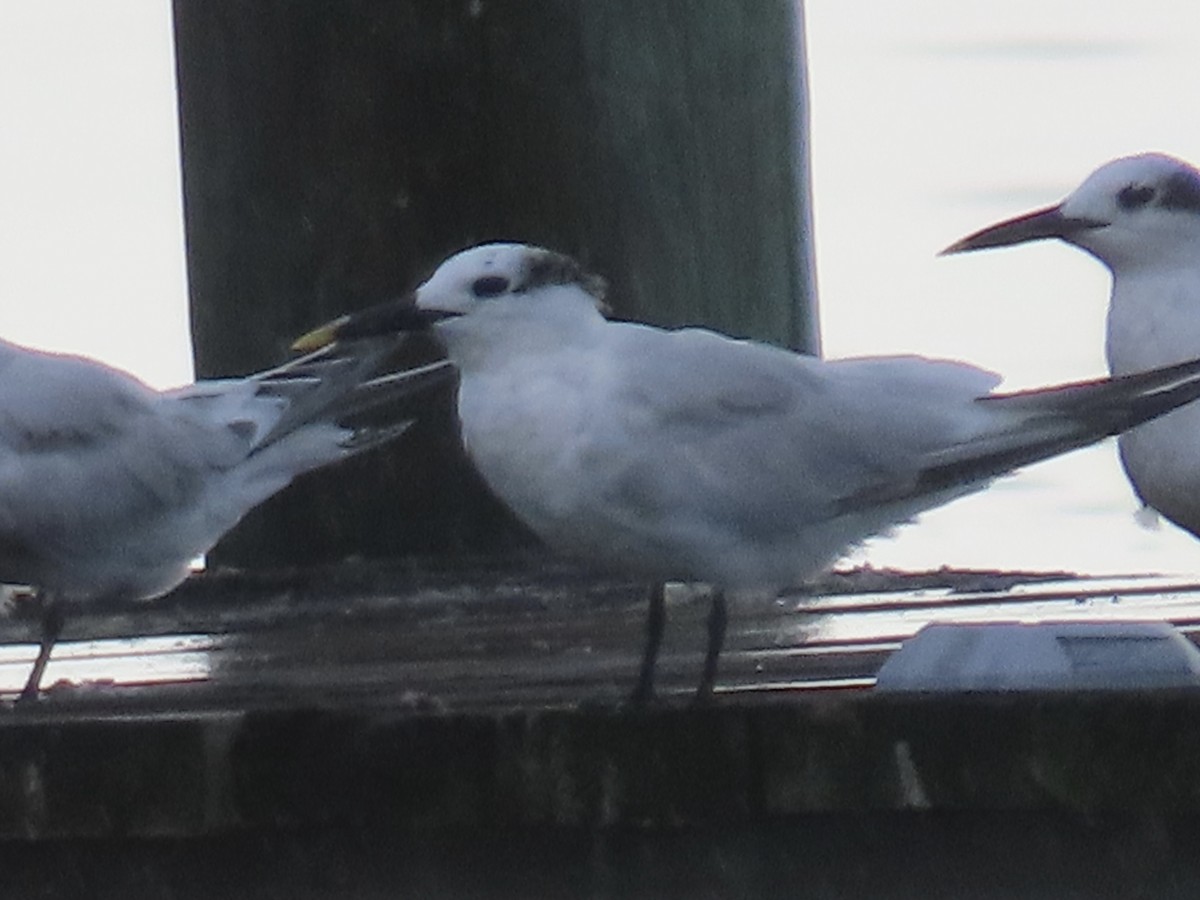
461,732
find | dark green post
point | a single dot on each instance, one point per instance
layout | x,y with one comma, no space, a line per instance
335,152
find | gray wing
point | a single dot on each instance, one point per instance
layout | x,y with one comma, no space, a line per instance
86,446
767,440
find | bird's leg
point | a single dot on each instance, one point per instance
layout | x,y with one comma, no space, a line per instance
52,624
656,618
718,617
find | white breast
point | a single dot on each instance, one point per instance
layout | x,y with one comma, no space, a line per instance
1154,320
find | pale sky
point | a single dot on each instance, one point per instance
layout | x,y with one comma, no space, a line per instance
91,231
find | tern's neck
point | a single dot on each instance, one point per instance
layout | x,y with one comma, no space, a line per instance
1154,318
492,338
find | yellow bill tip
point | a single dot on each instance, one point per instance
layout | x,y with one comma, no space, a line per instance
319,337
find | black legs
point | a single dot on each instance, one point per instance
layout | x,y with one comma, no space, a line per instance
52,624
717,619
656,618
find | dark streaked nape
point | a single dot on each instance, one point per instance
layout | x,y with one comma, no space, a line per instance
546,267
1182,191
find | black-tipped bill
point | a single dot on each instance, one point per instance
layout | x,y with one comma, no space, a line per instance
1034,226
393,317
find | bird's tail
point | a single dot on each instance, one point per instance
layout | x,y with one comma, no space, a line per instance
330,401
1028,426
378,410
1038,424
335,385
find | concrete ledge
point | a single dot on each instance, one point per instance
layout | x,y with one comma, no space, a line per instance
717,766
881,855
1064,656
669,767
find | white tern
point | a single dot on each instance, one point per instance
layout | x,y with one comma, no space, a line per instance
689,455
110,489
1140,217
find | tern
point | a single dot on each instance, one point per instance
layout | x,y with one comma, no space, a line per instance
110,489
686,455
1140,217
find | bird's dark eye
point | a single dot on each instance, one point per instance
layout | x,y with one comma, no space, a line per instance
1134,196
489,286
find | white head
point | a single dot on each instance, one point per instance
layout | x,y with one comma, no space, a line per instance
481,292
474,280
1136,211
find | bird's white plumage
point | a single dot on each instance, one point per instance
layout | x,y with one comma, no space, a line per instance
110,489
689,455
1145,215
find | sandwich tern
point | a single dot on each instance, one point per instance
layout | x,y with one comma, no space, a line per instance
686,455
109,489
